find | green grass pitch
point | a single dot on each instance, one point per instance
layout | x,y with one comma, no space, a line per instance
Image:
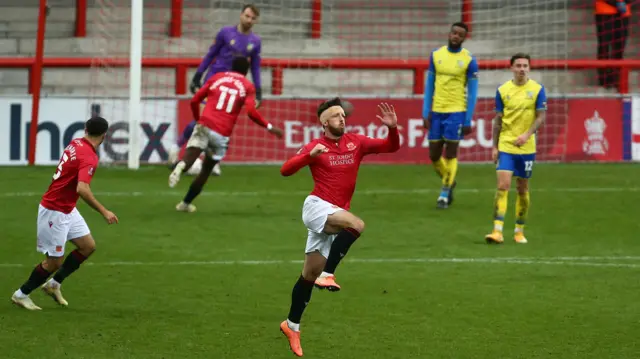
419,283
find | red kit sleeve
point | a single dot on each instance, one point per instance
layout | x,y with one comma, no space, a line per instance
387,145
86,168
297,162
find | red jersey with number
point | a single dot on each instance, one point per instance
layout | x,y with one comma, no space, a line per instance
78,164
225,94
335,171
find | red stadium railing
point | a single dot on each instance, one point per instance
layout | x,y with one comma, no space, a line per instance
175,22
277,66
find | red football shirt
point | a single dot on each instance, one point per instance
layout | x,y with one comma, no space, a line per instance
78,164
226,93
335,172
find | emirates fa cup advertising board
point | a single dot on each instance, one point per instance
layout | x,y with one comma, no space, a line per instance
575,130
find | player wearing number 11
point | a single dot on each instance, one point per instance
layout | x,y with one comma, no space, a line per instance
226,94
520,110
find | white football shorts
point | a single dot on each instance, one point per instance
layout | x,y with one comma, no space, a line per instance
56,228
212,143
314,216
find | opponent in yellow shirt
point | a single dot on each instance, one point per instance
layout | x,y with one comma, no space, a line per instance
520,110
449,100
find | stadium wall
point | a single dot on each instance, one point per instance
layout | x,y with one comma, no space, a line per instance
577,129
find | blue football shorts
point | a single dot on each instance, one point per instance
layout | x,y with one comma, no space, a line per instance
446,126
520,164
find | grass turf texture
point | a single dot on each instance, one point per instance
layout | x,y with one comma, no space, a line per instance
420,282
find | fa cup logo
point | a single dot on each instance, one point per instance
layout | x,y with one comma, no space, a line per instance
595,143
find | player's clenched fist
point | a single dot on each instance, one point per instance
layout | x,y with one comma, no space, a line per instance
110,217
318,150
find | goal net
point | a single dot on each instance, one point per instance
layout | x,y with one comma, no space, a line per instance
365,54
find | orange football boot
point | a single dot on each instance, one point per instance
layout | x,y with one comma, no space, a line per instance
294,338
519,237
327,282
495,237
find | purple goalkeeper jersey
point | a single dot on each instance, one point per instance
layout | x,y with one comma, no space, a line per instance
231,43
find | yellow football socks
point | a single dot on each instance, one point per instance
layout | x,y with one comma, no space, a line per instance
500,208
441,167
452,170
522,209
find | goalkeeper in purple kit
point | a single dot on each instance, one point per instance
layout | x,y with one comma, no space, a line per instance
230,42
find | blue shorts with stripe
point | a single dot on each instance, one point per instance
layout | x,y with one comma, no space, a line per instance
446,126
520,164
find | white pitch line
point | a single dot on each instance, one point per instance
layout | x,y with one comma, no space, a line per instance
577,261
382,191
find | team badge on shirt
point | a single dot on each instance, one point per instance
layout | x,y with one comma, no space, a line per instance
351,146
91,171
460,63
250,47
529,94
232,42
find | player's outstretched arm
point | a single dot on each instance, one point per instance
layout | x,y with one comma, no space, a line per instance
256,59
84,191
302,159
214,50
256,117
392,142
197,99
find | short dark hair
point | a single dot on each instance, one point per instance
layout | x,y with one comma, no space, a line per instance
462,25
96,126
520,55
252,7
336,101
240,64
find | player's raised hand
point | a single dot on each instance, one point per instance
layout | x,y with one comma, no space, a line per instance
522,139
110,217
388,117
276,132
318,150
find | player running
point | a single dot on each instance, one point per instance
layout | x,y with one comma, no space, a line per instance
520,110
226,93
445,111
230,42
59,221
334,160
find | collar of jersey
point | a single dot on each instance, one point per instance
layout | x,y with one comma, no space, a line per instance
454,51
89,143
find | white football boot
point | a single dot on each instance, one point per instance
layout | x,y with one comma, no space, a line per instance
52,289
24,302
184,207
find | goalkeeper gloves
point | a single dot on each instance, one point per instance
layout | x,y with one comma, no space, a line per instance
258,97
195,82
622,7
